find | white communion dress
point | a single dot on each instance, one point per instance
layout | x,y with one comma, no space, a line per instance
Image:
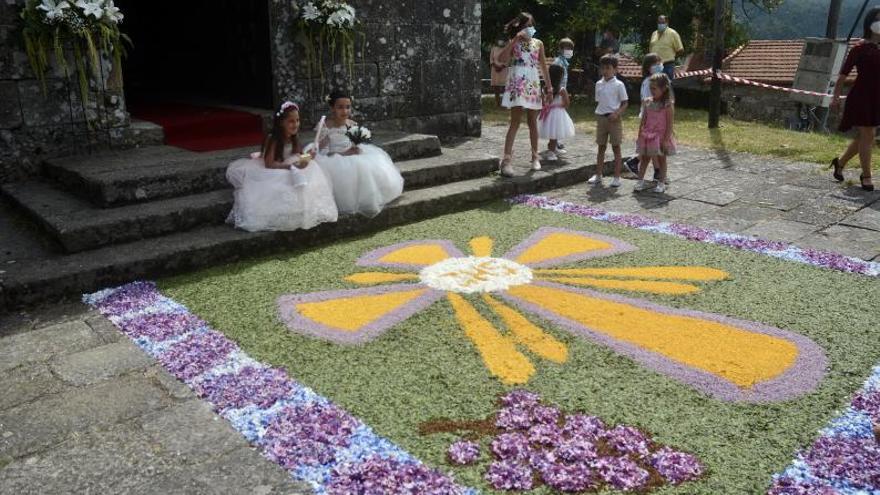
363,183
279,199
554,121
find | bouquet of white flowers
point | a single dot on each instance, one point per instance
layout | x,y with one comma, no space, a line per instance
358,134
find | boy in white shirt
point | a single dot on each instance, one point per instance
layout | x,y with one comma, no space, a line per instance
612,100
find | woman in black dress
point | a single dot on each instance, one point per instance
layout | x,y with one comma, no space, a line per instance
862,109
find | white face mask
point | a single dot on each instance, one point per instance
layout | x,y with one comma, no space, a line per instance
567,53
875,27
661,27
656,69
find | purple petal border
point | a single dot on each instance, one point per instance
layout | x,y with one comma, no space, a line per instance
803,376
315,440
776,249
845,458
372,258
298,323
617,247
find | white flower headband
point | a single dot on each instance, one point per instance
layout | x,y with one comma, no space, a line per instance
285,106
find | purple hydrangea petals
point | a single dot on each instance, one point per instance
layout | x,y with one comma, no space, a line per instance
464,453
635,221
159,327
691,232
545,415
509,475
621,473
676,467
380,476
261,387
855,460
628,440
789,486
547,435
520,399
514,418
512,446
196,354
868,402
569,477
583,426
129,297
307,434
538,459
577,450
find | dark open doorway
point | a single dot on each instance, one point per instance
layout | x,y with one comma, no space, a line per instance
202,51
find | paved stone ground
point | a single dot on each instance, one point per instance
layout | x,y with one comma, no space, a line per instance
84,411
732,192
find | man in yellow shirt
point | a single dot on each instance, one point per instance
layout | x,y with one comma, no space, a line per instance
667,43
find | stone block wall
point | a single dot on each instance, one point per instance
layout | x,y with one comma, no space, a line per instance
35,124
417,66
764,105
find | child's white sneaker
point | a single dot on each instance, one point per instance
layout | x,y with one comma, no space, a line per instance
660,187
550,156
536,164
561,151
595,179
615,182
642,185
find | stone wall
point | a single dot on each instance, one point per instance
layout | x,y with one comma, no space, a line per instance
34,124
764,105
417,67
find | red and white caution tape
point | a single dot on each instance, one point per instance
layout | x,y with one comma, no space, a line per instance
747,82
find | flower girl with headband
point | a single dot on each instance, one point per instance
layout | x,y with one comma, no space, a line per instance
363,176
280,188
554,122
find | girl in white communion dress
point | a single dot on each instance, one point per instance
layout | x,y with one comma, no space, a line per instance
280,188
363,176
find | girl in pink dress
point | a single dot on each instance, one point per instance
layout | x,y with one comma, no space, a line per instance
656,137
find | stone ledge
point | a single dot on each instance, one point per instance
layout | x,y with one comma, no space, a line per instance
79,226
75,274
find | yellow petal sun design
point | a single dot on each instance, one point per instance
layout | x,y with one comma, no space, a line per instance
730,359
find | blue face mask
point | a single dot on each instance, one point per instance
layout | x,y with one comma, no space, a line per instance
661,27
656,69
531,31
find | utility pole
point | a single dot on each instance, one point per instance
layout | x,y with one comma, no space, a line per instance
833,19
717,57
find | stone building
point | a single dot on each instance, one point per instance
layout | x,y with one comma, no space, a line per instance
416,68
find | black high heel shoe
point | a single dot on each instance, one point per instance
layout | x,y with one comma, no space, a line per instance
866,187
838,172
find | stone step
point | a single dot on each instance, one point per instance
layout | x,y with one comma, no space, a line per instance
155,172
78,225
73,274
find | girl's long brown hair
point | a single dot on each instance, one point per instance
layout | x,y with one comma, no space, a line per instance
276,139
662,81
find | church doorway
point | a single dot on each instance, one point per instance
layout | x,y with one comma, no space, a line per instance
199,51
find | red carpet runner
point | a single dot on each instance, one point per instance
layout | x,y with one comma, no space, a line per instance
198,128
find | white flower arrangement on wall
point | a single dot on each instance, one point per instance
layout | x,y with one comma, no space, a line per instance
88,27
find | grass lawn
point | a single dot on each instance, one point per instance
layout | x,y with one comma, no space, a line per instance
734,135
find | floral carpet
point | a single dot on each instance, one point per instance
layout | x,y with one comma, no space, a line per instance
537,347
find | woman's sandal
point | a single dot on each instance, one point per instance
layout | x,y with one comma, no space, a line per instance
866,187
838,170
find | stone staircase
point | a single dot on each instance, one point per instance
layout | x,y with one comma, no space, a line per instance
157,210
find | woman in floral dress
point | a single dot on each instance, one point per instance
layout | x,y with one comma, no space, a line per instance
523,91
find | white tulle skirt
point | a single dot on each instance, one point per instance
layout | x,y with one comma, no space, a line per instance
279,199
363,183
556,125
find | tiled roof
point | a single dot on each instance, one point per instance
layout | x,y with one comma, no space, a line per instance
628,67
767,61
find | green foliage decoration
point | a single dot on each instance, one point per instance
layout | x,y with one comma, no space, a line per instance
87,27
